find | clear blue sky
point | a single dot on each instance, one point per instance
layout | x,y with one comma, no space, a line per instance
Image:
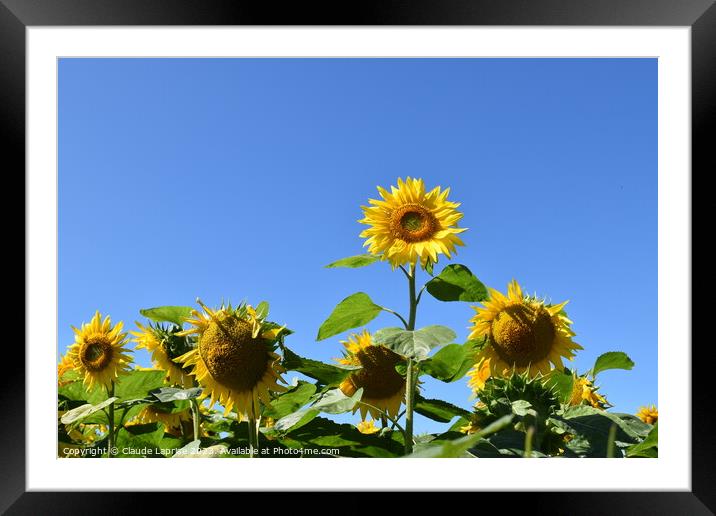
241,178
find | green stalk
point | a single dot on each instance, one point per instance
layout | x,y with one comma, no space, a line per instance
413,299
110,451
252,436
195,417
528,441
409,401
610,441
410,373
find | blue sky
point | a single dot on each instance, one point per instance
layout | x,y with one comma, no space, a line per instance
239,179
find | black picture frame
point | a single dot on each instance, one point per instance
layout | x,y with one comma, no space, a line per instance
700,15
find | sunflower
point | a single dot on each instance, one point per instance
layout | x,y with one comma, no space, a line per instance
383,387
172,421
584,390
648,415
65,366
165,346
409,224
521,334
234,360
98,352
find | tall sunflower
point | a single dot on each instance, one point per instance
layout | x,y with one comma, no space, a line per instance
98,353
522,334
409,224
165,345
235,360
648,415
383,387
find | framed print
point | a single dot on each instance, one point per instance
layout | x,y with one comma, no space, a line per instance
452,236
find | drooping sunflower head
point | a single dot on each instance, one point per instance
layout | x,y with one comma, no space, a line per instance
584,391
521,334
409,224
165,345
648,415
172,421
383,387
235,360
98,353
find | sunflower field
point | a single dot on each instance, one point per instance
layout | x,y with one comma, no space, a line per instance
217,388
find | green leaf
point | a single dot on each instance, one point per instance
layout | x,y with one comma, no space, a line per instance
324,433
590,427
354,262
562,383
291,401
640,428
459,447
166,394
79,413
140,440
120,414
138,384
326,374
331,402
335,402
522,408
414,344
262,310
438,410
170,444
612,360
173,314
649,447
76,391
456,283
292,421
451,363
355,310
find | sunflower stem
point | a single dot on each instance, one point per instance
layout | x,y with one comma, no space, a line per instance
110,419
528,441
409,396
610,441
195,417
413,299
252,436
409,380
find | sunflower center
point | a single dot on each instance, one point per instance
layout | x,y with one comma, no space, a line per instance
378,377
523,334
96,353
233,357
413,223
